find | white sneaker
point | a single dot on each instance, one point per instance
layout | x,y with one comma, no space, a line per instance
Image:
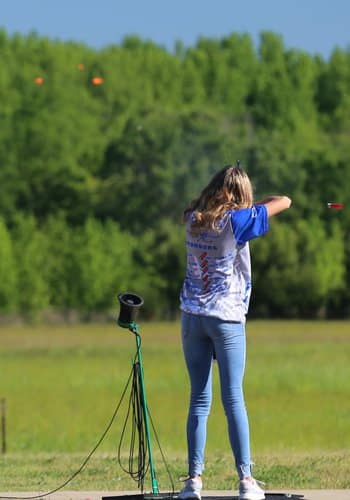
250,490
192,489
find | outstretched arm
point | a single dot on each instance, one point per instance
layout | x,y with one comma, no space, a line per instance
275,204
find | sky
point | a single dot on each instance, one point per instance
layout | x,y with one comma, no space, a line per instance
315,26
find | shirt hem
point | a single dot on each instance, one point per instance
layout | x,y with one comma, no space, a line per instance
240,319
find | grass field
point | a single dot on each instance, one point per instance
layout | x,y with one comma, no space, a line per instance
62,385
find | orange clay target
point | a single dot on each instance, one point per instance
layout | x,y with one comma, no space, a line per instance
97,80
39,80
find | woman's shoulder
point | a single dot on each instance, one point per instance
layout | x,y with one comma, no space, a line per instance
248,212
249,223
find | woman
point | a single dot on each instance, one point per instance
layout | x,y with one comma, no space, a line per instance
214,303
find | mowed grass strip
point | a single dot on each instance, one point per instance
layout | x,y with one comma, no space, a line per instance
62,385
41,472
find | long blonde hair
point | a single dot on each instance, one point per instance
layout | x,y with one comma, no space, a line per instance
229,189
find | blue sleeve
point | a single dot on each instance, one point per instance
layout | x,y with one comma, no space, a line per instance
249,223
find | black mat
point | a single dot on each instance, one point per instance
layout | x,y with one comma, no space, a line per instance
171,496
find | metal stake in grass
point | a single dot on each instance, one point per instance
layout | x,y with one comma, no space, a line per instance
3,426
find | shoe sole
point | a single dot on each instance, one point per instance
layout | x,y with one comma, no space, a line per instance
190,497
250,496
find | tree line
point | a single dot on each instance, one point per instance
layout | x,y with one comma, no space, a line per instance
94,178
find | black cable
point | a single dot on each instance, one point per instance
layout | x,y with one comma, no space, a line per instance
86,459
166,465
136,412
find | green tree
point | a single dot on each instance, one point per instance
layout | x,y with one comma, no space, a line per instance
8,271
60,263
298,268
30,250
272,96
101,265
80,161
163,252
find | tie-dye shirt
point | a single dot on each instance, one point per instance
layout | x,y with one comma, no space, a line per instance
218,276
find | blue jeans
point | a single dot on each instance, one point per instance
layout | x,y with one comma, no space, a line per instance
201,337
